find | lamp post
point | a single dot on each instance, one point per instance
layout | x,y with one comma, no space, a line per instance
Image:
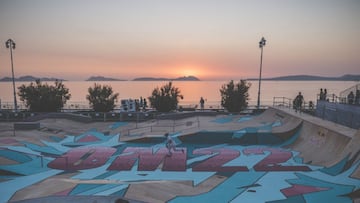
261,45
10,44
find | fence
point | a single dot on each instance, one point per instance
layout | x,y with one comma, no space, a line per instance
282,101
344,114
288,103
344,94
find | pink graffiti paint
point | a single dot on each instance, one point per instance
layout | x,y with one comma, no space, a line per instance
274,160
88,138
82,158
301,189
8,141
149,161
216,162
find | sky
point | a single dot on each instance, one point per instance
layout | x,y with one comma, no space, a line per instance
209,39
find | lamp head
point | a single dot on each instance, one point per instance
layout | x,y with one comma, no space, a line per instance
10,43
262,42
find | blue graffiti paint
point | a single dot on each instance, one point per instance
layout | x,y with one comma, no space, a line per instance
243,186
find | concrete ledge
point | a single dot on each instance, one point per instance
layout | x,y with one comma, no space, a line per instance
26,126
70,116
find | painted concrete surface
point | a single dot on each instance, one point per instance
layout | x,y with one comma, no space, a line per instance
257,163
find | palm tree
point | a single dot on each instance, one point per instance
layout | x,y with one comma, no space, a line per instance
10,44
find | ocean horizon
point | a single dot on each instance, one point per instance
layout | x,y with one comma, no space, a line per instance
192,90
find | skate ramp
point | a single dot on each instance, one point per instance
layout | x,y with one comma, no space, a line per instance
315,161
325,143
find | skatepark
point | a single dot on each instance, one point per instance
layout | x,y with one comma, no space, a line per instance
278,156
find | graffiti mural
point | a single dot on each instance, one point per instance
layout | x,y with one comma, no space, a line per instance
100,165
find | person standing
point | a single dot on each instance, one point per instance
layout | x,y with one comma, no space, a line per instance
350,97
298,102
202,103
321,97
357,97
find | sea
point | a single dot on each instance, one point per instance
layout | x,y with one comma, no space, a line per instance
192,91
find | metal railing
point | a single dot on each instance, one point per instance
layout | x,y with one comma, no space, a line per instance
282,101
307,106
158,125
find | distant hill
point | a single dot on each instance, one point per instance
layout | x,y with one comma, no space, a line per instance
29,78
312,78
101,78
185,78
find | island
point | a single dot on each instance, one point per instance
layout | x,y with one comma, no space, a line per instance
101,78
29,78
347,77
184,78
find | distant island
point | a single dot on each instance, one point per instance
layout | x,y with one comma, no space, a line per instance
29,78
312,78
347,77
101,78
185,78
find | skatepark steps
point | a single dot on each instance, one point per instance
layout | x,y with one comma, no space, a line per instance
26,125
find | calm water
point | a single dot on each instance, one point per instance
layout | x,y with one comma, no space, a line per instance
192,91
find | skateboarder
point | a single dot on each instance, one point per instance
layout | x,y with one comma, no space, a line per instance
170,145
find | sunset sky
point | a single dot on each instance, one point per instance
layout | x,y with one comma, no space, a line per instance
210,39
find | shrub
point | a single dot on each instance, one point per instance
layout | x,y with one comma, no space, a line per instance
166,98
101,98
234,97
40,97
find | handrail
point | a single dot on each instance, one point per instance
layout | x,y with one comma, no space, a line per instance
282,101
171,127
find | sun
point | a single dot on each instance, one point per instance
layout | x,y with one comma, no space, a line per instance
189,70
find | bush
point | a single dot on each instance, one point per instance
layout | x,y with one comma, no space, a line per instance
101,98
40,97
165,99
234,97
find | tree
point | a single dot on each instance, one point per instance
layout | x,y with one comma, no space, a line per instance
40,97
234,97
165,99
101,98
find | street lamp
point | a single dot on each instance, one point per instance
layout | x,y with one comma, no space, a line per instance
261,45
10,44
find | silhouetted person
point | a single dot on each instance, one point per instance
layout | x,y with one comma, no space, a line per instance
144,104
298,102
357,97
325,94
350,97
141,102
321,97
311,105
202,103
